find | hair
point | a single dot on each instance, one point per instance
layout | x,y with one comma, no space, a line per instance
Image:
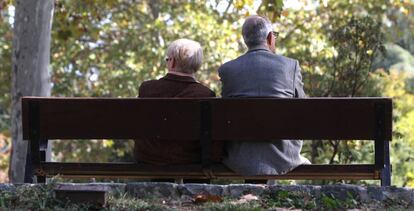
187,54
255,30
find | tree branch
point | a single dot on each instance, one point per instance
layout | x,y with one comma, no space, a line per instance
335,150
228,7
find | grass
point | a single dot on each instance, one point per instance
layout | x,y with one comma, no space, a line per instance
294,199
126,202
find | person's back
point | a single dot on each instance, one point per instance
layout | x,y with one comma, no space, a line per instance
262,73
163,152
184,59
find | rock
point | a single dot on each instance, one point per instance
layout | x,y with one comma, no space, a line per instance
153,190
185,193
193,189
237,190
391,195
376,193
399,195
110,188
7,187
344,192
304,189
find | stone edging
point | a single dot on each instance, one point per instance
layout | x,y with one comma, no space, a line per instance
363,194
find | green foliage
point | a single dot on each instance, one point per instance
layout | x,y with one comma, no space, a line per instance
291,200
126,202
36,197
6,36
357,43
397,58
330,202
42,197
336,53
93,150
403,129
271,9
232,206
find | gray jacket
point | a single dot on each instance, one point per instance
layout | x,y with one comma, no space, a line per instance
260,73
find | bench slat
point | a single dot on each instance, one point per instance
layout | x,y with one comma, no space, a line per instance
86,118
132,170
328,118
232,119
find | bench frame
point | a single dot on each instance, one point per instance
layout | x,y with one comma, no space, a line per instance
34,131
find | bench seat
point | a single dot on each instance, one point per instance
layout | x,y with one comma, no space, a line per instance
219,171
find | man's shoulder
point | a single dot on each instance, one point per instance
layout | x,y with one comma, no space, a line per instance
233,64
252,58
277,60
229,63
285,58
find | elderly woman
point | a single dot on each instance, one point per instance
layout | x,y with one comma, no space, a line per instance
184,58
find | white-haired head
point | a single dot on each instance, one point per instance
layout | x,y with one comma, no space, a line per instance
255,30
187,55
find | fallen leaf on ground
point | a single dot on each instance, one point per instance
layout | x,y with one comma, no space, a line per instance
202,198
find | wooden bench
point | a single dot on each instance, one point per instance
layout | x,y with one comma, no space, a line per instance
207,120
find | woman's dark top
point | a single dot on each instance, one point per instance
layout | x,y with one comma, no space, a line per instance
165,152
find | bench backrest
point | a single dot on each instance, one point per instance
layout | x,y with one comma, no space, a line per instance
224,119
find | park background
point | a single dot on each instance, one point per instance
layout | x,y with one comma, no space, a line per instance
346,48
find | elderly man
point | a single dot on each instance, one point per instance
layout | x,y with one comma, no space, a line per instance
262,73
184,58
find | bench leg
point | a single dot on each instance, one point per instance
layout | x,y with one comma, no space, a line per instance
382,161
386,172
36,153
42,179
382,146
36,144
43,150
28,172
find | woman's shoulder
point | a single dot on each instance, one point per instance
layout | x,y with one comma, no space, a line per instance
200,90
147,87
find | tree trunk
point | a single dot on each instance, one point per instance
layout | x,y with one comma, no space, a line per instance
30,77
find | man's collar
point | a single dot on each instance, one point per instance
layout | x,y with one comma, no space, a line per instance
257,48
173,77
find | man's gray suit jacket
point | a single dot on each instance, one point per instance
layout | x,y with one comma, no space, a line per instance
261,73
